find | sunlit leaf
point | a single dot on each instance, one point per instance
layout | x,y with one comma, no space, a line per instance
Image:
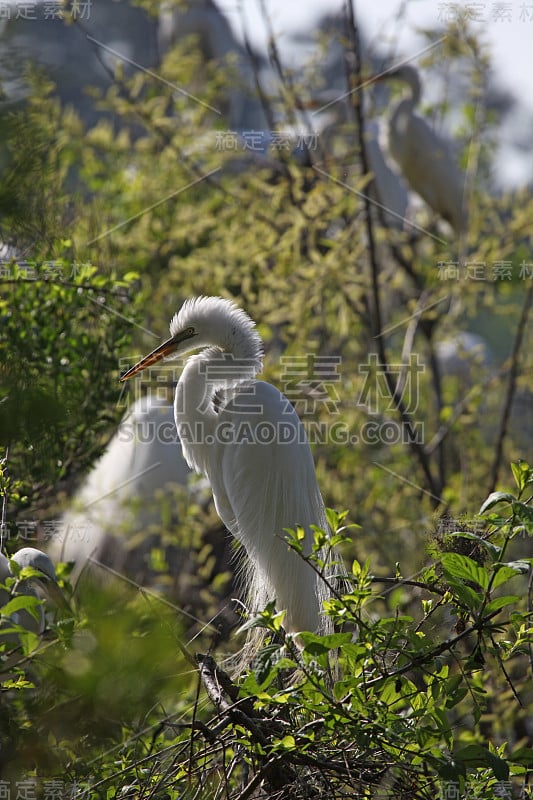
495,498
466,569
500,602
475,755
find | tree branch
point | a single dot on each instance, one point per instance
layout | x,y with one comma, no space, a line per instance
511,389
355,72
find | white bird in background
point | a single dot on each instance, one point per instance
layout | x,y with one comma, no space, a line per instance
117,498
424,157
46,580
390,190
246,438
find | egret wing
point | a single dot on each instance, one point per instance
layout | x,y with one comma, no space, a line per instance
265,482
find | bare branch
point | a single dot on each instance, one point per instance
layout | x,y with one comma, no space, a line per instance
354,70
511,389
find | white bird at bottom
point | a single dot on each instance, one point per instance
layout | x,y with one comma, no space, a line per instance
47,580
247,439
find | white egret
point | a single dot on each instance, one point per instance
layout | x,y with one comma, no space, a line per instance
388,188
423,156
246,438
46,580
117,498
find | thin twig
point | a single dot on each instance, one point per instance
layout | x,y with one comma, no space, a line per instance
505,673
194,720
437,386
285,79
409,340
429,587
529,610
431,654
4,500
511,389
297,198
276,771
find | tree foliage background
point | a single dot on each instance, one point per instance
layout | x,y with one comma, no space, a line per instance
153,205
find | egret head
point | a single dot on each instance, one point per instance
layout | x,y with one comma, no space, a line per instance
204,322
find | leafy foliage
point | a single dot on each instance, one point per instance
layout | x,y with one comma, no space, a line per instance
60,332
386,708
426,684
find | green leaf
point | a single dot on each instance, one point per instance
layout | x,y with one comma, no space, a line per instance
457,566
521,473
475,755
288,742
494,498
18,683
268,664
452,770
29,641
524,755
465,594
520,566
501,602
269,618
22,602
524,513
456,697
335,518
507,571
317,645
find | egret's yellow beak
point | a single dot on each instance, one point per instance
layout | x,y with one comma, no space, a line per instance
164,350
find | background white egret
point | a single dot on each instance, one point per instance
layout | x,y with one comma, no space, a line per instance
388,188
117,498
46,580
423,156
245,436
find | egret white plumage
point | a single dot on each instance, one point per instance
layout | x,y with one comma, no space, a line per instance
423,156
390,190
116,499
246,438
47,580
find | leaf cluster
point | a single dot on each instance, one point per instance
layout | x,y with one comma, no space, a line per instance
60,338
